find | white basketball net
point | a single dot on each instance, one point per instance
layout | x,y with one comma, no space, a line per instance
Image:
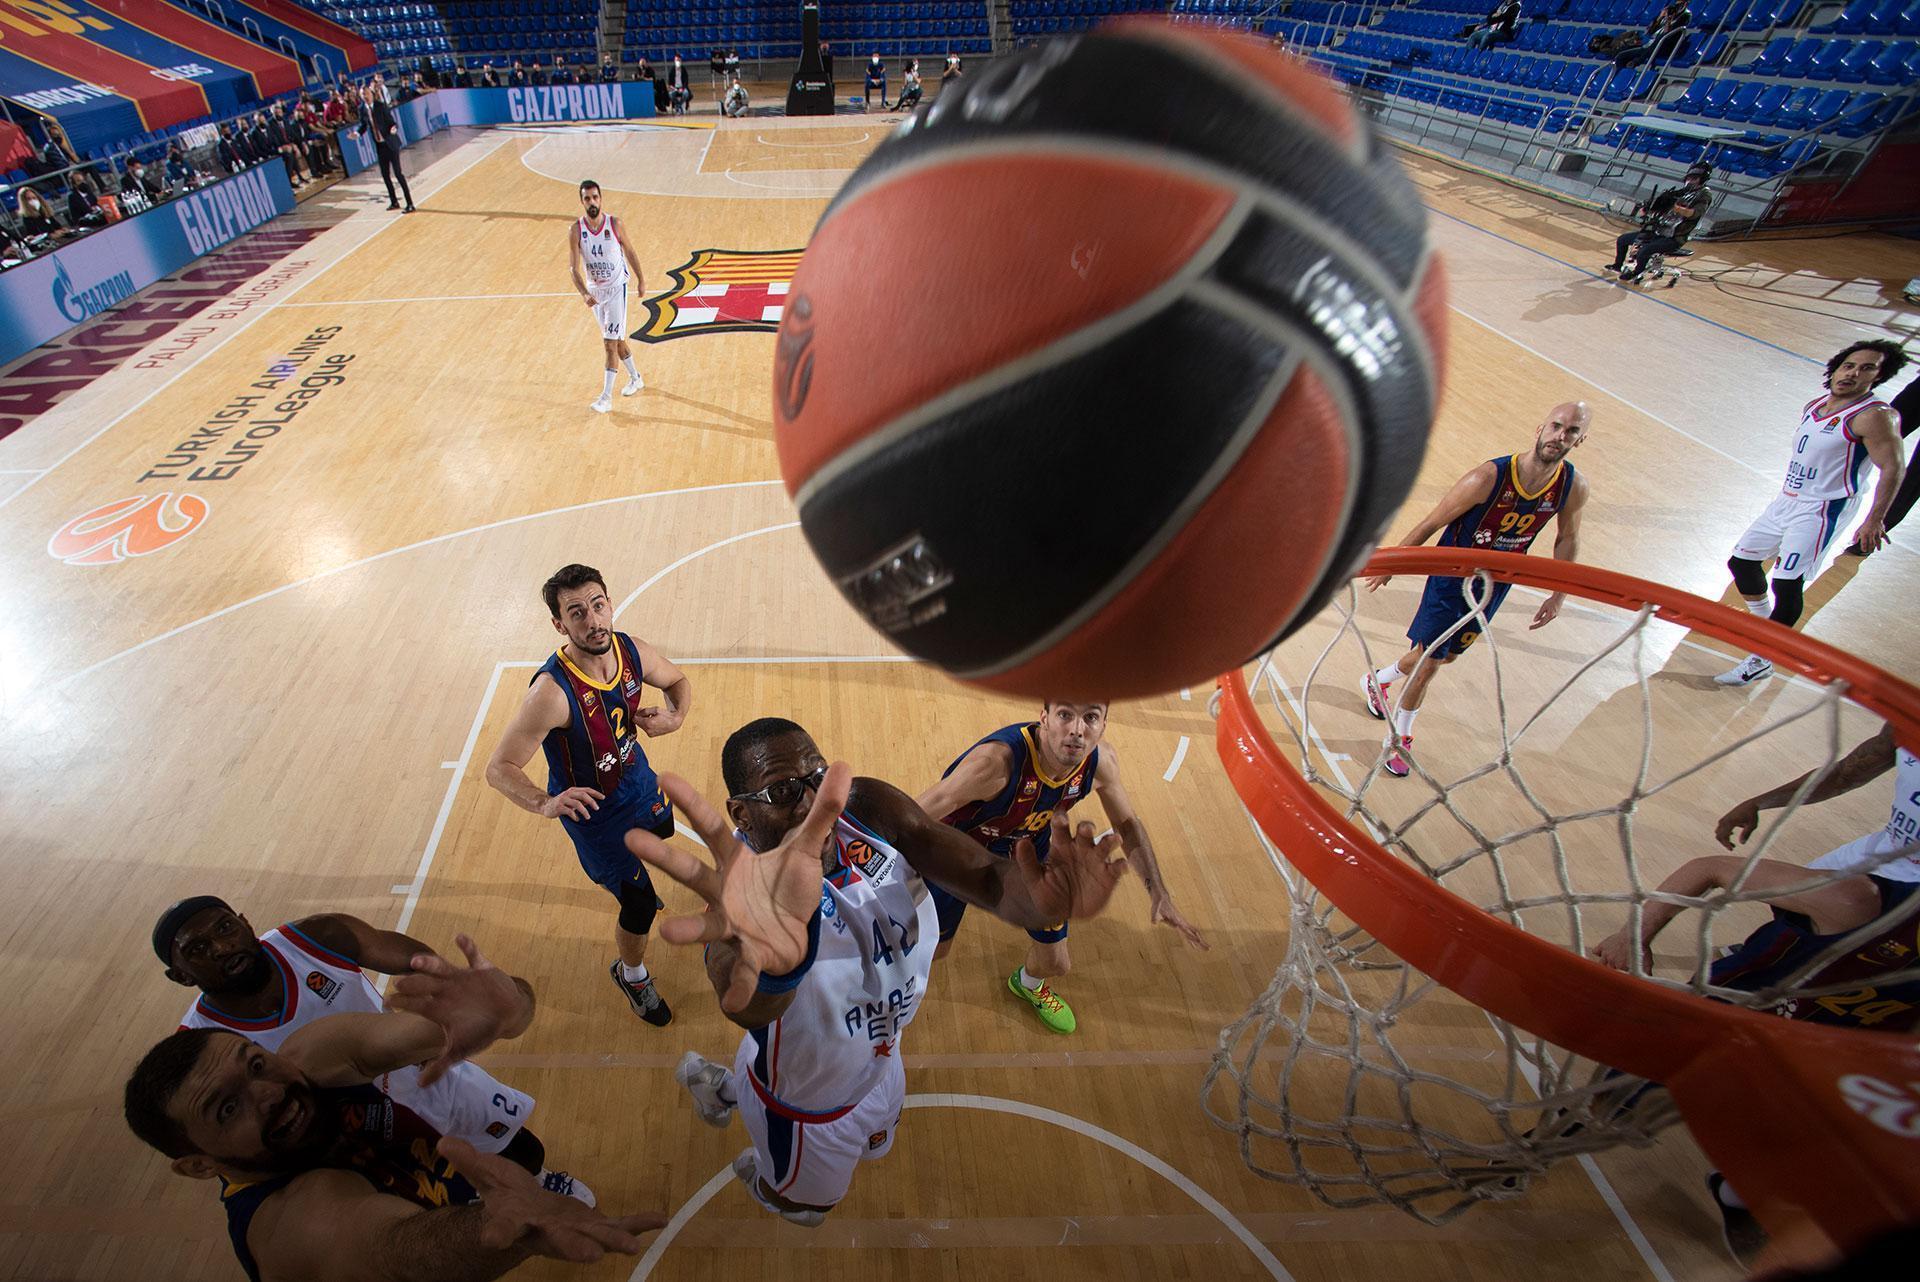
1460,1110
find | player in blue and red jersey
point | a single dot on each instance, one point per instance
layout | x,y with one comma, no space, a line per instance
584,709
1008,786
1501,505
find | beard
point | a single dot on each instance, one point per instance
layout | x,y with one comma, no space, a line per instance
310,1150
598,649
255,975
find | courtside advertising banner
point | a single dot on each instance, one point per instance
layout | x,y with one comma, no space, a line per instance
49,295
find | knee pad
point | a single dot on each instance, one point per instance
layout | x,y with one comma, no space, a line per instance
638,905
1788,600
1749,576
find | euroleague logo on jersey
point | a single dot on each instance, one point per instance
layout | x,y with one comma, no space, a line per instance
321,986
126,528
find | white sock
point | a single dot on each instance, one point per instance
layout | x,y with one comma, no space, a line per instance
1388,674
1729,1196
606,384
1029,981
632,373
1761,609
1403,721
634,974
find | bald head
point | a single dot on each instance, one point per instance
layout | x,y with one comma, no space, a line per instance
1565,427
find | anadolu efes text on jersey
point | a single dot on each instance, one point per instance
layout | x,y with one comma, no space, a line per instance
877,936
1827,457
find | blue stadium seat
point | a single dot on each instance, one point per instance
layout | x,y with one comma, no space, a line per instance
1771,58
1800,58
1825,62
1690,102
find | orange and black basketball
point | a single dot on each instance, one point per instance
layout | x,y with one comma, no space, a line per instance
1106,369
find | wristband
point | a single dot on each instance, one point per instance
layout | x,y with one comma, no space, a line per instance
791,980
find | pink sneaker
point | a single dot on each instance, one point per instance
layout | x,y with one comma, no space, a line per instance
1397,764
1376,695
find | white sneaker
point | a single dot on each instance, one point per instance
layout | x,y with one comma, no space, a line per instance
1753,668
633,386
704,1079
1376,694
747,1171
566,1186
602,405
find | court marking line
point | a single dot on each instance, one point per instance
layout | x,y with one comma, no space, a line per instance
1016,1108
1601,1185
431,298
1581,271
1179,755
812,146
390,552
797,192
480,154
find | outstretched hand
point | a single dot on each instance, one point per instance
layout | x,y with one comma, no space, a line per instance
1079,875
514,1209
476,1007
759,902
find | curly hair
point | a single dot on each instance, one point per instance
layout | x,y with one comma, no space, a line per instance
1893,358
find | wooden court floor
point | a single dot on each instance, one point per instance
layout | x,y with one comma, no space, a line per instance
292,707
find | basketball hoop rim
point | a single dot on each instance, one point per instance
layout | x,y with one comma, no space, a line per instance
1695,1046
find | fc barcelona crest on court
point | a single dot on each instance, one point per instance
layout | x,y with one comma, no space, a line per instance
722,291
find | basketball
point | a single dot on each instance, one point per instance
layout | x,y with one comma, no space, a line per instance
1106,369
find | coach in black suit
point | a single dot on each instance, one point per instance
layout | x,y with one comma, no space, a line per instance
377,118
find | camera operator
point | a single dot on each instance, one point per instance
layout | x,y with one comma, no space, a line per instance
735,102
1666,222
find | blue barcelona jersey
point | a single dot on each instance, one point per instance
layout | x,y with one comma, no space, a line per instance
1510,518
1780,949
599,747
1024,808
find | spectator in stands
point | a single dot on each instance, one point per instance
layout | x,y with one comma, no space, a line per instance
83,203
147,180
377,118
609,70
407,92
876,83
536,74
909,87
288,143
259,144
313,146
516,76
180,173
952,71
1662,41
1669,218
679,92
735,102
36,216
333,115
13,250
227,151
1499,28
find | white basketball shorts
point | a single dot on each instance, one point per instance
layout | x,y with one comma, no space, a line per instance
467,1103
1799,532
812,1163
610,310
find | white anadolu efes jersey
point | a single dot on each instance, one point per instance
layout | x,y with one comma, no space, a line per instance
317,982
878,932
1828,459
600,251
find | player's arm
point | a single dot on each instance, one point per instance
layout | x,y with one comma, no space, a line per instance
633,261
1834,908
1566,546
386,952
356,1047
763,1008
978,776
1468,492
669,681
1139,848
1868,761
964,868
543,711
1879,431
330,1225
574,266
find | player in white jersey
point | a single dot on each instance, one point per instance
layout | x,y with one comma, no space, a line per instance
597,246
266,988
1838,433
820,938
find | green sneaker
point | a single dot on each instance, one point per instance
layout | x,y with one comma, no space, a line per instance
1053,1012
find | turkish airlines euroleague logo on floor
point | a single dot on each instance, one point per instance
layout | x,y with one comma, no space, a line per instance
127,528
